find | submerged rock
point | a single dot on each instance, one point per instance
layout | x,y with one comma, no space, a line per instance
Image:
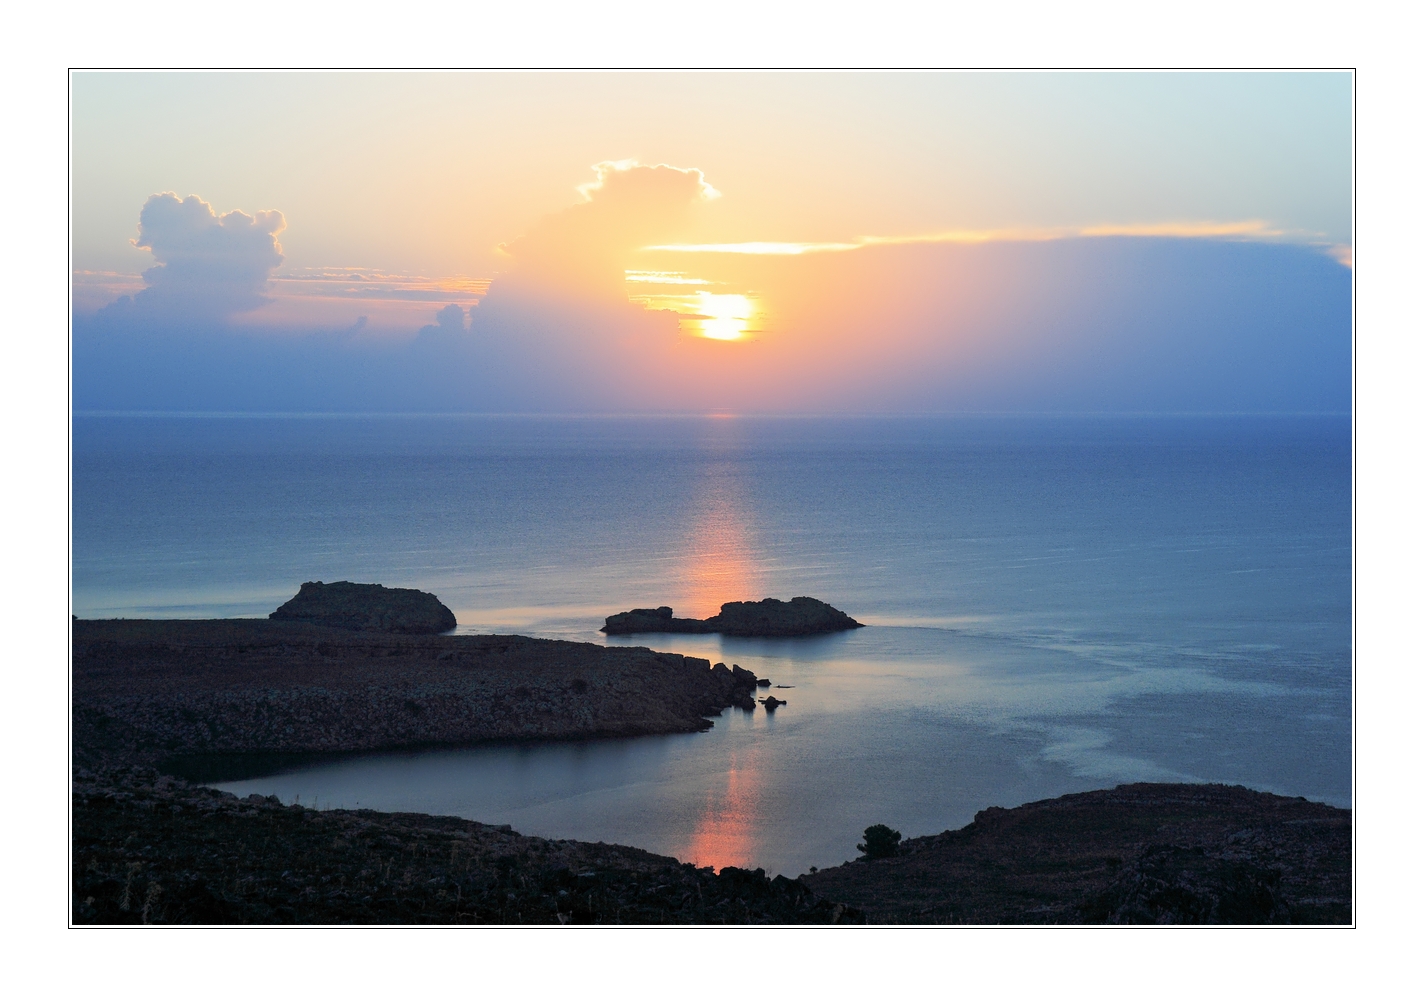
352,606
771,703
800,617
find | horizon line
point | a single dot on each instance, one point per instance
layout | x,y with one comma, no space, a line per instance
685,414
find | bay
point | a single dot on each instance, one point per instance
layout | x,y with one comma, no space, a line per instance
1054,604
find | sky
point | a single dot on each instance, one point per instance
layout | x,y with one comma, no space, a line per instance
571,242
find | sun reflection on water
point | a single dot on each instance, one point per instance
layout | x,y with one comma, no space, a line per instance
725,833
718,562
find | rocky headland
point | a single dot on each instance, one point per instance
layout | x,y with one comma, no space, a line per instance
195,696
801,617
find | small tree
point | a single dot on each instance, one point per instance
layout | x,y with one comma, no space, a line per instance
880,842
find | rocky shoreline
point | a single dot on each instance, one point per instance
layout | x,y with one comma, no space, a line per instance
154,698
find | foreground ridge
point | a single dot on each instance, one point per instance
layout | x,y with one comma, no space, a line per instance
153,850
1146,853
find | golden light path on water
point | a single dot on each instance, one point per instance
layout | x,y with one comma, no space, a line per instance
720,566
726,829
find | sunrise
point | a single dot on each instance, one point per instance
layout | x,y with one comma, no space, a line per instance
511,499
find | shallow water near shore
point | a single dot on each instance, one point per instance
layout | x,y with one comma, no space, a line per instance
1054,605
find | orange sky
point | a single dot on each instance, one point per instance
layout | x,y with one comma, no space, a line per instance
745,241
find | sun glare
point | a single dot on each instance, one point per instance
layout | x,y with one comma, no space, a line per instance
707,314
724,316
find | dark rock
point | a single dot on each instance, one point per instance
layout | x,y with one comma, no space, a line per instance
800,617
771,703
764,683
352,606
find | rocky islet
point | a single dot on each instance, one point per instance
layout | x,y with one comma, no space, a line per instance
800,617
356,606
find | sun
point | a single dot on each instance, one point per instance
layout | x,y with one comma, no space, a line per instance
706,314
724,316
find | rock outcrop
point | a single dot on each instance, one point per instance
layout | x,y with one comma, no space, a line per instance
801,617
352,606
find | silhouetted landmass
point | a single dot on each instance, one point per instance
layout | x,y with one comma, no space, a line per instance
210,699
800,617
353,606
1138,854
204,692
157,851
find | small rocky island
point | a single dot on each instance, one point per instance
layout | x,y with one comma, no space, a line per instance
801,617
352,606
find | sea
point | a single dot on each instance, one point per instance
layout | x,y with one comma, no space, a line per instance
1053,604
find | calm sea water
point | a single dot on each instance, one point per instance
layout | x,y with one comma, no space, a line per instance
1055,604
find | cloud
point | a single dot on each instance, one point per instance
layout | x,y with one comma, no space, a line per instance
1249,230
1088,325
1201,317
209,266
449,321
581,251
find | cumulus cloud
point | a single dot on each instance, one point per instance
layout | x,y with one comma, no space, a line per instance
209,266
581,251
449,321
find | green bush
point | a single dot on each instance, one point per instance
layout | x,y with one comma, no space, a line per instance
880,842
